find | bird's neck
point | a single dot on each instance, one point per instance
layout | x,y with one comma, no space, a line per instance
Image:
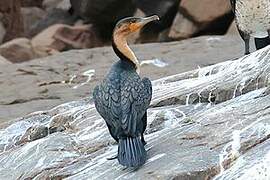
122,50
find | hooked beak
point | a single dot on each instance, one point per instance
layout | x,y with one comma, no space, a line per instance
142,22
147,20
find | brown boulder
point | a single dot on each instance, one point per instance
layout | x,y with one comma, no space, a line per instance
204,11
63,37
12,18
4,61
201,17
18,50
79,36
46,38
53,16
182,27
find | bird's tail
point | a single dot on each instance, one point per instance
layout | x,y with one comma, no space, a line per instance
131,152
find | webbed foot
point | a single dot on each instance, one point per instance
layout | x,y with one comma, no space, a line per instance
112,158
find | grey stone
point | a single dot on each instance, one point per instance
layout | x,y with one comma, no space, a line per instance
189,140
44,83
31,16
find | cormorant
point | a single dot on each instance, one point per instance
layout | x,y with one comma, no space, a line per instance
253,19
123,97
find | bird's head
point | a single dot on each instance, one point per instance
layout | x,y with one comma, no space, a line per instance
131,25
122,30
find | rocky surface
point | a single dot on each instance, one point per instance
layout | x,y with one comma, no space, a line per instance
60,37
18,50
4,61
43,83
205,16
88,24
220,131
53,16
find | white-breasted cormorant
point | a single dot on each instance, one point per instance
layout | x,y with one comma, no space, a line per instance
253,19
123,97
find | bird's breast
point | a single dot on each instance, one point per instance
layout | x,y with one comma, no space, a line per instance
253,17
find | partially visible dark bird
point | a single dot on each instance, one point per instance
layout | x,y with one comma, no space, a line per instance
123,97
253,20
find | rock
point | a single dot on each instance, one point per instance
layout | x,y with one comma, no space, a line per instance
11,18
203,17
60,4
4,61
53,16
63,37
2,31
233,29
165,9
34,133
182,28
197,10
47,82
77,37
18,50
32,3
46,38
31,16
226,139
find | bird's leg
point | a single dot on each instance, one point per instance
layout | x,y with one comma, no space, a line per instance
246,38
143,141
247,45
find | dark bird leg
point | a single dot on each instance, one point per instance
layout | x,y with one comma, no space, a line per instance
113,134
143,141
246,38
144,120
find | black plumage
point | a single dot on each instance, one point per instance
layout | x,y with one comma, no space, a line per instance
122,100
